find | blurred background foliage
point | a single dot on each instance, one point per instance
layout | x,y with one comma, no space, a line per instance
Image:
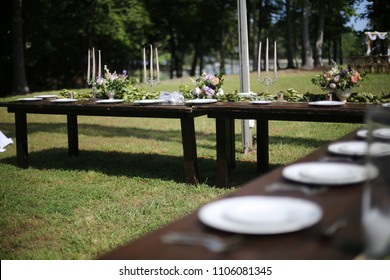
189,34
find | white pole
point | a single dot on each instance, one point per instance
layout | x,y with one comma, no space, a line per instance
244,68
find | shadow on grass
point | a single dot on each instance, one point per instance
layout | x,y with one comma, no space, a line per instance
170,135
152,166
146,165
155,134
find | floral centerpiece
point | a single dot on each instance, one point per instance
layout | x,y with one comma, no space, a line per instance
208,86
112,83
338,80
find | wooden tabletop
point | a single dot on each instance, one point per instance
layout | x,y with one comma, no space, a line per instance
91,108
339,202
294,111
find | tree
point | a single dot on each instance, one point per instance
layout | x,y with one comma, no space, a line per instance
320,33
378,12
290,36
19,74
307,53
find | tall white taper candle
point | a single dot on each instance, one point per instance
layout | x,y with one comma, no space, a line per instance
266,58
93,64
100,65
275,61
151,62
89,66
259,61
144,65
157,66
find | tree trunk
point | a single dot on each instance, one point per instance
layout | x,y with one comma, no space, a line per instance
306,47
340,50
335,49
195,59
19,72
222,49
255,36
201,64
320,33
290,43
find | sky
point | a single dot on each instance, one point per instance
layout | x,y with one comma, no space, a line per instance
359,24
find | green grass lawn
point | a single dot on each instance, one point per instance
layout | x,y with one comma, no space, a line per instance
129,177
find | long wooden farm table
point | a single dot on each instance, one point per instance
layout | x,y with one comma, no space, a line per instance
225,113
91,108
339,203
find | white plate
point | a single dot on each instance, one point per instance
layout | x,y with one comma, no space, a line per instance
326,173
105,101
201,101
260,214
386,104
260,102
362,133
359,148
326,103
383,133
30,99
63,100
247,94
149,101
47,96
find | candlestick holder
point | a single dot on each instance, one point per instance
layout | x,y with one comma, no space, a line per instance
152,82
267,81
93,84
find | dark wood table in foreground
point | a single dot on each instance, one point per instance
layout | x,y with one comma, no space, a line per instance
225,113
90,108
339,202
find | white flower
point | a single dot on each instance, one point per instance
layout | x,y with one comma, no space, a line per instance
197,91
220,92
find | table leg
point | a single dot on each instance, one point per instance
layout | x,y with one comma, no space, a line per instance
224,151
262,146
21,139
232,143
73,140
189,150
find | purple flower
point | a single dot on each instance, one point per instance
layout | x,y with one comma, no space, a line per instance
209,91
100,81
124,73
209,77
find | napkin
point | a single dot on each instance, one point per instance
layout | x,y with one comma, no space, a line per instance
4,141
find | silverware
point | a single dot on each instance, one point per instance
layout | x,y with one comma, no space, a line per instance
332,229
281,186
211,242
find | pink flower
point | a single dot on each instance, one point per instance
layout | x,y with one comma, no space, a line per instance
354,79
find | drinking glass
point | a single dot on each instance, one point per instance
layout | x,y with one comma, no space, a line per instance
376,194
